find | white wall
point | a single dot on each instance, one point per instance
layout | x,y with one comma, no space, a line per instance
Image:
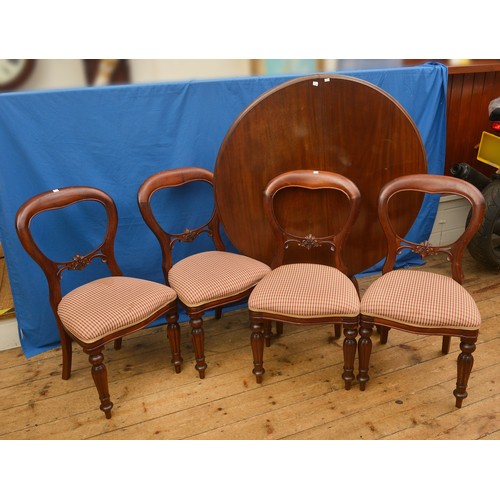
56,73
154,70
68,73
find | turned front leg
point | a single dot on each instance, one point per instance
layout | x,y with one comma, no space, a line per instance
364,351
465,362
198,339
349,349
174,338
100,376
257,341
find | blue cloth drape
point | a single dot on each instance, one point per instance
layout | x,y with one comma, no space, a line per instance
114,137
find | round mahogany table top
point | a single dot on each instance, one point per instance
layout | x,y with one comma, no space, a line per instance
320,122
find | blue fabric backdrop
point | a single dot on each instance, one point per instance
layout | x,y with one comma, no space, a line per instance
115,137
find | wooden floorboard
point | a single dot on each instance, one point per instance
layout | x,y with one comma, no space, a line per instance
409,396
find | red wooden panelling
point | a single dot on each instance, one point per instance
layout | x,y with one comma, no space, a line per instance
470,89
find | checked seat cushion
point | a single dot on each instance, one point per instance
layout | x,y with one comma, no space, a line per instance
207,276
305,291
422,299
106,305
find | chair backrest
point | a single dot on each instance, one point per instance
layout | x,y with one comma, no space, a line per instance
170,179
432,184
311,180
60,199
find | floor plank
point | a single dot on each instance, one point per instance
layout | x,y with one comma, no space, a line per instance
302,398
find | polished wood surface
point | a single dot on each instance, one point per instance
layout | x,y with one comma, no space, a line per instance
320,122
408,397
315,182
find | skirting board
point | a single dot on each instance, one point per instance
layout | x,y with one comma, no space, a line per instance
9,336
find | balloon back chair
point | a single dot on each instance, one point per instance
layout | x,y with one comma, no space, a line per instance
307,292
423,302
204,280
100,310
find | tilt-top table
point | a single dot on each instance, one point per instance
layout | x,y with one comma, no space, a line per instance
320,122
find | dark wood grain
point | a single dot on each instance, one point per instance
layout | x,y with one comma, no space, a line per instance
321,122
470,90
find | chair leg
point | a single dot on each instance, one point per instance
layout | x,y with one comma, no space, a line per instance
383,331
118,344
364,351
99,374
465,362
198,339
67,355
257,342
174,338
445,346
338,330
268,333
279,328
218,312
349,349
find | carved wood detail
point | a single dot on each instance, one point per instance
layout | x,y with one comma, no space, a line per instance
309,242
189,235
80,262
425,249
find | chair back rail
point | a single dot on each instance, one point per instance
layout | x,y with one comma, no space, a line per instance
171,179
59,199
432,184
311,180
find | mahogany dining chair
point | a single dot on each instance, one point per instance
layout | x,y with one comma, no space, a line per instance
204,280
307,292
423,302
101,310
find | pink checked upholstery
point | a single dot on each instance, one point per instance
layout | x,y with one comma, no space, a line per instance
305,291
422,299
107,305
208,276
